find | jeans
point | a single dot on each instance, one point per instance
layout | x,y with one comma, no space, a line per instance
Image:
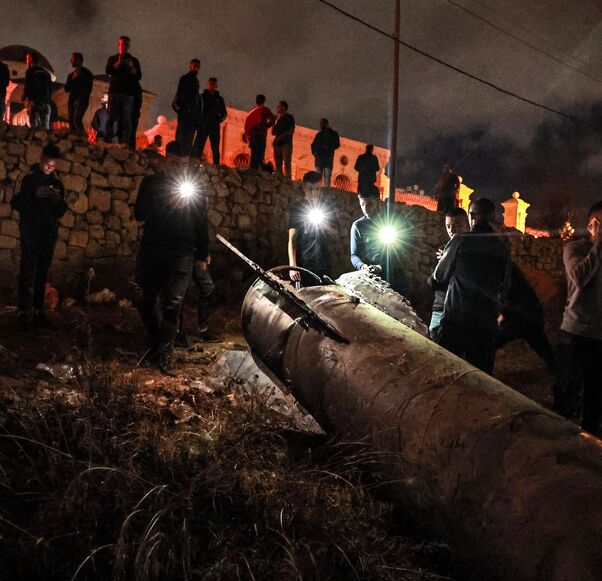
326,172
162,277
39,115
257,145
283,155
472,342
76,112
435,325
211,131
185,132
36,258
121,109
579,374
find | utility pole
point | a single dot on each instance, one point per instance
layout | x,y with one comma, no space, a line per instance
395,106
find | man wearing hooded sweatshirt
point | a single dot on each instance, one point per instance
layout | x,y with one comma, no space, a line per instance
213,113
40,200
186,103
325,143
37,93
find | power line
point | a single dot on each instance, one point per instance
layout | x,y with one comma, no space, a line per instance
449,65
531,32
522,41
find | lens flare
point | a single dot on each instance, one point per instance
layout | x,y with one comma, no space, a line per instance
186,189
388,234
316,216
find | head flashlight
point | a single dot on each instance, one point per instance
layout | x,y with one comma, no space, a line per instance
186,189
388,235
316,216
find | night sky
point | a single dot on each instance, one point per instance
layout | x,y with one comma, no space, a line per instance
326,65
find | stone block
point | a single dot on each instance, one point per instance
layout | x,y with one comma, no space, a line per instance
121,209
130,231
241,196
113,237
64,233
82,150
40,134
8,241
111,166
99,180
244,222
21,132
68,219
120,195
222,190
94,249
94,217
75,183
33,152
214,218
121,182
96,231
5,210
99,199
60,250
64,145
16,149
78,238
9,228
75,158
97,152
77,202
124,249
81,170
132,167
2,171
113,223
119,153
63,166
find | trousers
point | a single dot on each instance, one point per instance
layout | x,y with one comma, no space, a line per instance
257,145
76,112
211,131
283,155
36,258
121,111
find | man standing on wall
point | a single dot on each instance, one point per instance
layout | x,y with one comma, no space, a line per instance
476,267
4,81
312,227
325,143
185,104
283,139
40,200
37,93
100,121
257,123
175,241
79,86
212,114
366,166
125,73
581,339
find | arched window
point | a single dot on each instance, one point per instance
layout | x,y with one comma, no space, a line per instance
342,182
242,160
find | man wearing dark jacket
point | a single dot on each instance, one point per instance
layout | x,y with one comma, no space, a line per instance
212,114
283,131
4,80
325,143
185,104
175,241
40,200
522,317
79,86
476,268
37,93
366,166
124,90
456,222
100,121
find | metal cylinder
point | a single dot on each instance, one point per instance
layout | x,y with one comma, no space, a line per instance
510,484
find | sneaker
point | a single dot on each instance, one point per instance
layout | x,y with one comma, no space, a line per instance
40,321
206,336
181,341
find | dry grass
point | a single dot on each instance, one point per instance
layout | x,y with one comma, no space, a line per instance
104,481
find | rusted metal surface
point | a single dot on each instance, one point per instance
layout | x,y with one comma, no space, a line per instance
508,482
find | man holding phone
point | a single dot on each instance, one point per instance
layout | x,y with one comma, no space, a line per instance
580,345
40,200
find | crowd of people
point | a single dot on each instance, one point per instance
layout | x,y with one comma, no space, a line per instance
481,298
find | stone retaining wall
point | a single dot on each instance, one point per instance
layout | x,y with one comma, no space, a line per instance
249,208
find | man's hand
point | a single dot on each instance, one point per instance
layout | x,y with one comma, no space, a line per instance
201,266
365,267
295,275
439,253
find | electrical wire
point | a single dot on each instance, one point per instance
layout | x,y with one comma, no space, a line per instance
440,61
522,41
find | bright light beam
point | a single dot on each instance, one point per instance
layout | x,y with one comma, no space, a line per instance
316,216
388,235
186,189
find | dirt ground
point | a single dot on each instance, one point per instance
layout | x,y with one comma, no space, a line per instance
112,471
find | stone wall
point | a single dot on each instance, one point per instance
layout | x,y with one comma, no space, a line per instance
249,208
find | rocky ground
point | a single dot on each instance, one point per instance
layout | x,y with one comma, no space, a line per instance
111,471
